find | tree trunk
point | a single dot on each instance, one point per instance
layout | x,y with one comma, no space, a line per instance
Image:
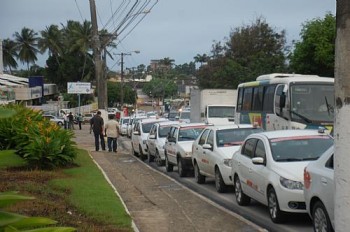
342,113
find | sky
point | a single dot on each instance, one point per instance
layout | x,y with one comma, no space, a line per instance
178,29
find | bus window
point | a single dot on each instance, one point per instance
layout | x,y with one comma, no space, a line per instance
240,99
247,99
258,98
268,98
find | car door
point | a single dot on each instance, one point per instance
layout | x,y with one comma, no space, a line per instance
152,139
244,165
199,151
135,137
171,147
258,173
209,155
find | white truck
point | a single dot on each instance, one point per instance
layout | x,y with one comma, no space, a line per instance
214,106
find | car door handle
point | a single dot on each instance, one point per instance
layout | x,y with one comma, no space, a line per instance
323,180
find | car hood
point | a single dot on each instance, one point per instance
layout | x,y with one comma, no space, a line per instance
186,145
291,170
227,152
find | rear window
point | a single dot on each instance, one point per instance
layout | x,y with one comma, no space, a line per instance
299,148
164,131
146,127
190,133
234,137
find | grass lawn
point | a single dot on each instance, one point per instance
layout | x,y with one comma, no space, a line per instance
77,196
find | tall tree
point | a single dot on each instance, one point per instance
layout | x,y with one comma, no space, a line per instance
9,54
51,40
26,42
201,58
314,54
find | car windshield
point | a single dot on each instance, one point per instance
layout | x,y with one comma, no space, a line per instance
221,111
146,127
299,148
125,120
185,115
189,134
234,137
172,115
163,131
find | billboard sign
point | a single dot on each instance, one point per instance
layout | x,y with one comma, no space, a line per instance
79,87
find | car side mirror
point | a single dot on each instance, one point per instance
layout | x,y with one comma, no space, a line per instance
207,146
171,139
258,161
152,136
136,133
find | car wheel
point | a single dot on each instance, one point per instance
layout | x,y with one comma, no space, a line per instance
150,158
241,198
133,150
320,218
200,179
219,182
158,159
180,167
276,215
142,156
168,166
60,123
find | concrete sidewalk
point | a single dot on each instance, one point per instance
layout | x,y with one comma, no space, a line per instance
155,201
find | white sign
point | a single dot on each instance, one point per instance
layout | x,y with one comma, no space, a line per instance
79,87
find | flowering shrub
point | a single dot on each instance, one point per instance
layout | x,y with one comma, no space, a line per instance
43,144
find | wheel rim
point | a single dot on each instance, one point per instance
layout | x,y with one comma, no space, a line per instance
320,220
273,205
238,190
157,158
179,165
166,162
196,172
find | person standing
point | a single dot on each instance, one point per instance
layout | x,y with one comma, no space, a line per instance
96,124
70,121
112,133
80,120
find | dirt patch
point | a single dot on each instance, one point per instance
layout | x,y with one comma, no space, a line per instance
49,201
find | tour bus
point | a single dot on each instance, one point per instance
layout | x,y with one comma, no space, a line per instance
287,101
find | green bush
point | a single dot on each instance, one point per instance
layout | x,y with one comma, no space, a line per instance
15,222
43,144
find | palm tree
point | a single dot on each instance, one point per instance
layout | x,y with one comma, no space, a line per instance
201,58
26,43
52,41
9,54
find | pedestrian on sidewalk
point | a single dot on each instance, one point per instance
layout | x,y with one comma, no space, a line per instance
96,125
70,121
112,133
80,120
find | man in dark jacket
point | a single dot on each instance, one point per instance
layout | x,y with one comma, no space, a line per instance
96,124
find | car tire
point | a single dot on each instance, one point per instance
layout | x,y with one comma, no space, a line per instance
220,185
158,159
168,166
241,198
142,156
133,150
320,218
150,158
200,179
180,167
276,215
60,123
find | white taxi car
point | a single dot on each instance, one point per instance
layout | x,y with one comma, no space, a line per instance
212,152
140,134
178,146
319,191
269,168
156,140
123,123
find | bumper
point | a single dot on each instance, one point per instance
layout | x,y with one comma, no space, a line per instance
291,200
226,174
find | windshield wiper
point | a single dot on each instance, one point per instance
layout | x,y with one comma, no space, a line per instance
330,108
289,159
301,116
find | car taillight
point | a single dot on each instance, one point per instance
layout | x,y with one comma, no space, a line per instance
307,179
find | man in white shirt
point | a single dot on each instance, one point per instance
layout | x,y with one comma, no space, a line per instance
112,133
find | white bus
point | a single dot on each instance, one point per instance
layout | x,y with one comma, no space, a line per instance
287,101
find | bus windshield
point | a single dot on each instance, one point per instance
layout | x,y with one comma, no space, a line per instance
221,111
312,103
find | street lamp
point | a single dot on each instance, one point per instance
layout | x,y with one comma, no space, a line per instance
122,74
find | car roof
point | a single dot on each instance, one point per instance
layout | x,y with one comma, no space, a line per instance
167,122
184,125
230,126
150,120
290,133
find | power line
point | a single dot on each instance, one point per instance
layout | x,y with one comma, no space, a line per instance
81,16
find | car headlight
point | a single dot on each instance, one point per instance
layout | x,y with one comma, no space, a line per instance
228,162
291,184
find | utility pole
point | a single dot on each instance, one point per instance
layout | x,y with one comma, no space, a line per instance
122,79
100,80
342,112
